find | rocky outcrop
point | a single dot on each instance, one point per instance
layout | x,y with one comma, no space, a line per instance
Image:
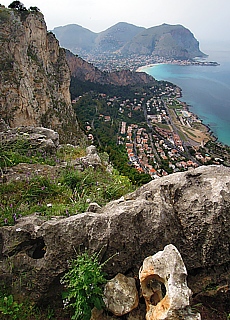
85,71
35,76
166,270
38,137
190,210
120,295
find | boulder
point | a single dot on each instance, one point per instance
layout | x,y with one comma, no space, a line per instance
39,138
190,210
164,286
92,158
94,207
120,295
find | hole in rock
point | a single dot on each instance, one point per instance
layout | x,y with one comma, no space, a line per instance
38,250
158,289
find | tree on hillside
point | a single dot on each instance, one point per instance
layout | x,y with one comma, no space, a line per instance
34,9
17,5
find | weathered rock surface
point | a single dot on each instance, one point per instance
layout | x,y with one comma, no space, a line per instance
35,76
166,270
190,210
38,137
92,158
120,295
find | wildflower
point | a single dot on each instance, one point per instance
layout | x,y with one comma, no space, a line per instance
43,188
14,216
67,213
6,221
49,205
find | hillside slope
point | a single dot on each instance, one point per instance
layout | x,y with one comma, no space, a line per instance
75,38
115,37
85,71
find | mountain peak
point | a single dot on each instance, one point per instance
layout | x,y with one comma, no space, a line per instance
168,41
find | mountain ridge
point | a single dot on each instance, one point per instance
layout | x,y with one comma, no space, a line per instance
169,41
85,71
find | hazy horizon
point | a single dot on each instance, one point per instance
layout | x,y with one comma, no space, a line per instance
207,19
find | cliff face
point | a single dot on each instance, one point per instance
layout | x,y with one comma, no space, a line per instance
35,76
85,71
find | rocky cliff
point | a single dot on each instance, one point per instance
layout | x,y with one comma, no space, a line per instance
85,71
190,210
35,76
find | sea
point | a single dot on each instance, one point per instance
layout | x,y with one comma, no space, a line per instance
205,89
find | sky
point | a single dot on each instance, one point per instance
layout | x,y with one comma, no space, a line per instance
208,20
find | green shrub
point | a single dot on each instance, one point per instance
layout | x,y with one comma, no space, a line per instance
57,194
83,283
38,194
21,151
4,15
9,308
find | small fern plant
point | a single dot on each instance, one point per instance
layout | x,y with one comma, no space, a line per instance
83,283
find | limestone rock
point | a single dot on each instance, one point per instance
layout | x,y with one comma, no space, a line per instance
92,158
120,295
164,286
100,315
35,76
94,207
138,313
190,210
39,138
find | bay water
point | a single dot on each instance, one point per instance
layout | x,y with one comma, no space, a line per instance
206,89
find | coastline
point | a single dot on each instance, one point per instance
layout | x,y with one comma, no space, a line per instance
205,130
140,69
180,63
213,115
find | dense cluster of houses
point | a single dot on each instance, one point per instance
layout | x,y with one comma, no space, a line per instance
146,153
153,146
